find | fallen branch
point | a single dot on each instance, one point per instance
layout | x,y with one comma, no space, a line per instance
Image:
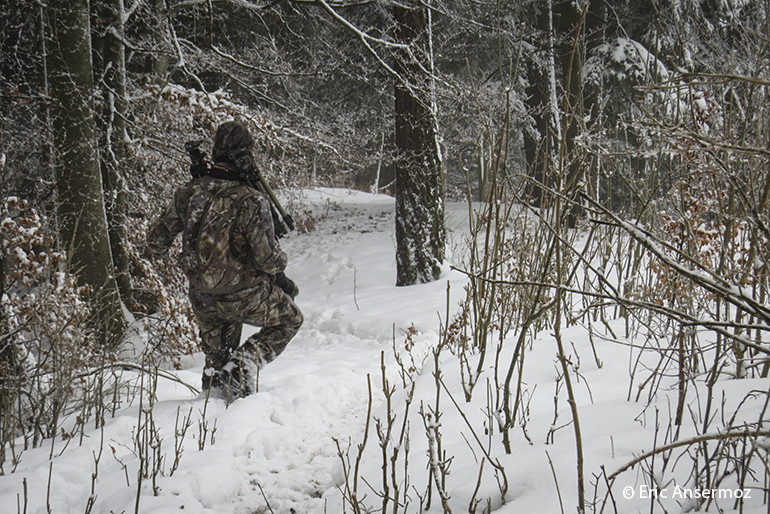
688,442
138,367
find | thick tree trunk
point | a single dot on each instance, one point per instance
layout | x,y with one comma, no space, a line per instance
420,229
109,58
80,208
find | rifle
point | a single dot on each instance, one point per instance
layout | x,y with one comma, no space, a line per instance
199,166
243,160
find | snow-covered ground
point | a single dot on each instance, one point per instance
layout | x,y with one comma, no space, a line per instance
275,451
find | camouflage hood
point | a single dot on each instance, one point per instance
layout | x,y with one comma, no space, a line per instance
230,135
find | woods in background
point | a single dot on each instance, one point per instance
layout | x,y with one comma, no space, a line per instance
649,120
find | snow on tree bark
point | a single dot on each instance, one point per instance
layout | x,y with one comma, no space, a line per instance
81,213
420,229
110,62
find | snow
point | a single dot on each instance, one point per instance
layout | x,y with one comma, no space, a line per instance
625,59
275,451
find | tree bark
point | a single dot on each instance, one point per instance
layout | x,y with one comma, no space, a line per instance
160,59
572,50
81,214
540,138
420,229
110,60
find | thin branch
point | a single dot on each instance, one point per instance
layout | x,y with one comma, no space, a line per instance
687,442
616,297
685,79
138,367
366,39
248,66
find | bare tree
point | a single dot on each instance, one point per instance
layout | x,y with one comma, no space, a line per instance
110,59
420,230
80,207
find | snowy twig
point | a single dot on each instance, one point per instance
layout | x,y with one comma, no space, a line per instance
251,67
687,442
702,276
350,494
366,39
684,318
556,481
494,462
686,78
439,466
138,367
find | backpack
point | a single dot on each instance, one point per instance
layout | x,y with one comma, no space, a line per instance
217,260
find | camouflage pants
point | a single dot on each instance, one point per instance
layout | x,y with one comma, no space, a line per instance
221,319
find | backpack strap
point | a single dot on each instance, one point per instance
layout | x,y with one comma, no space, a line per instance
222,171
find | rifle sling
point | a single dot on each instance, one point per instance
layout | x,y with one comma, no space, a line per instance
224,172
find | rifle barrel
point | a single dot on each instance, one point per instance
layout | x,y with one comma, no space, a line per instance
273,198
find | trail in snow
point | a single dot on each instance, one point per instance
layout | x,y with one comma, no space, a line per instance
317,390
273,451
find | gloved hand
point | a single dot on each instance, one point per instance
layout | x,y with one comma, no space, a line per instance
198,169
287,284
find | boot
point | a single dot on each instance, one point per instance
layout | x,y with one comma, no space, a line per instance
229,383
244,367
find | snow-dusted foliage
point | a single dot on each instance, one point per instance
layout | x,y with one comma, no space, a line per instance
46,340
614,72
624,61
41,303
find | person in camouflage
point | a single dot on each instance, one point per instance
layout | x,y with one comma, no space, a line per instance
234,265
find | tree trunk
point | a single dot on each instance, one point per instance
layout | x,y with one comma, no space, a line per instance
160,57
572,50
420,230
553,158
110,60
80,208
540,138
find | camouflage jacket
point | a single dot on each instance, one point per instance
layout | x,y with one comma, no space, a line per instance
228,238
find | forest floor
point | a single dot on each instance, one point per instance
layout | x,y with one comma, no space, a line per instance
281,450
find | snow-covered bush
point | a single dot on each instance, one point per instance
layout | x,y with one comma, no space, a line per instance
46,339
168,318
